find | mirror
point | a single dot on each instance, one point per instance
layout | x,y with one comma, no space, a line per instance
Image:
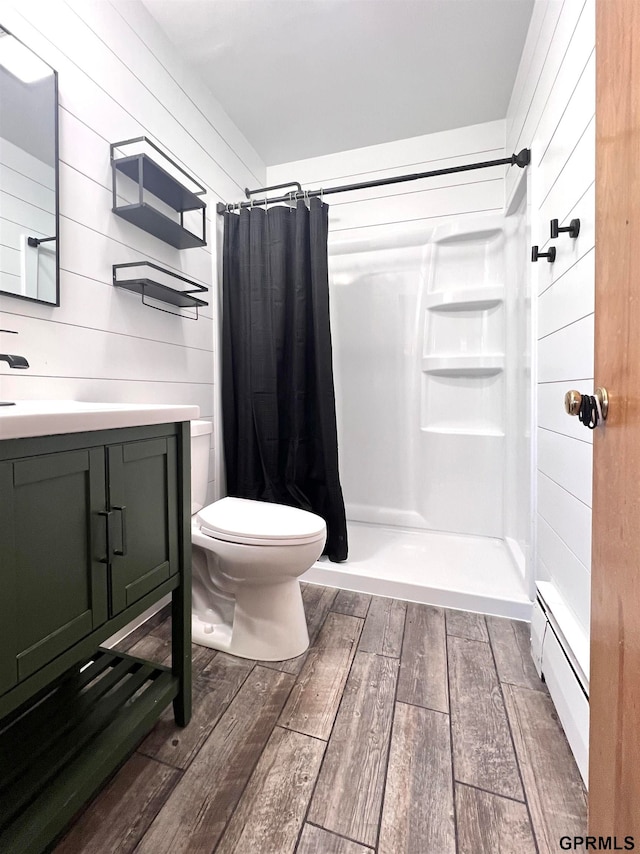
29,251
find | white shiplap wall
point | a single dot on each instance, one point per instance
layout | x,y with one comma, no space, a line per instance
119,78
415,205
552,111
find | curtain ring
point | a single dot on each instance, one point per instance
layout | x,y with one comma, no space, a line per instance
321,196
266,211
305,196
251,202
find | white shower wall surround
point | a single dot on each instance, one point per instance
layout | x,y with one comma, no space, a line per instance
461,391
421,361
421,364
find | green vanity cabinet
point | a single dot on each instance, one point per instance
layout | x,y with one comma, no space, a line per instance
143,518
54,572
94,529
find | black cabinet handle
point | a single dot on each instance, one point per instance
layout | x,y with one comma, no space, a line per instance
550,255
107,535
573,229
121,552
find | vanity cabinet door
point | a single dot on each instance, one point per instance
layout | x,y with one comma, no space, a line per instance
53,546
8,666
144,520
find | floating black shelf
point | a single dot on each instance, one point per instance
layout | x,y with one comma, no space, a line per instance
158,182
152,289
151,220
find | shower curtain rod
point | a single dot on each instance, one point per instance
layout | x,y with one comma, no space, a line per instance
521,159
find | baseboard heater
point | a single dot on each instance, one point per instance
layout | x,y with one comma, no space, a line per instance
566,677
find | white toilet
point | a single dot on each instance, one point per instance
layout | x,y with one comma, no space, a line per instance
247,558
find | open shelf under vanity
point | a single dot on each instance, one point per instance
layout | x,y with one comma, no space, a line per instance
67,743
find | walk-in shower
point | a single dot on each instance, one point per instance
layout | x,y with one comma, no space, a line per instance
431,342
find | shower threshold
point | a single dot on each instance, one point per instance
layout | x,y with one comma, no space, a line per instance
449,570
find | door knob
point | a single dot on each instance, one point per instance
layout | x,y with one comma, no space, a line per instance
572,401
577,404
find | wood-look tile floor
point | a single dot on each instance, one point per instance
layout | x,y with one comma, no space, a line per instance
404,729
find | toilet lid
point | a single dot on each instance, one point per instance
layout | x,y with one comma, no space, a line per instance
244,520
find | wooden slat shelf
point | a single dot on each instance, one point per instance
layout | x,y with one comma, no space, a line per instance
57,752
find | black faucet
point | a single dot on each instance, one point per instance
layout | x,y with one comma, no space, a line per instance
13,361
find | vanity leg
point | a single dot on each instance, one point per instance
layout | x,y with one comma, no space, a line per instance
181,654
181,597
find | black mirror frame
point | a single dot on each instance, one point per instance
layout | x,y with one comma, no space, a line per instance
57,184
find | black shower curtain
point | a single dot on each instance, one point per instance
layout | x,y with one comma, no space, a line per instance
278,400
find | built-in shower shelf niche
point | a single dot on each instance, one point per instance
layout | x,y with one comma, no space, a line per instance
466,399
460,431
462,361
465,234
467,259
463,366
162,195
466,299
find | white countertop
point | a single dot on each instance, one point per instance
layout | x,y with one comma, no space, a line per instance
46,417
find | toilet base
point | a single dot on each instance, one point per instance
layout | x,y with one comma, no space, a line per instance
269,623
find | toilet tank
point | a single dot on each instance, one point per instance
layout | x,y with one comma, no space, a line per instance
200,447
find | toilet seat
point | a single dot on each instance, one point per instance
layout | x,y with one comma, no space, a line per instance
259,523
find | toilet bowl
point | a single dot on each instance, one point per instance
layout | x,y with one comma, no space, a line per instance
247,559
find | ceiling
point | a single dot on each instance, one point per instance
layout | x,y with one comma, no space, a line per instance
302,78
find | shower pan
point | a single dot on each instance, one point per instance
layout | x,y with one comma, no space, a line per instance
431,341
